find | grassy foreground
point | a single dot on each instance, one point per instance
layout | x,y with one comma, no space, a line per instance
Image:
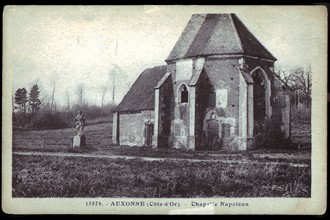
265,173
47,176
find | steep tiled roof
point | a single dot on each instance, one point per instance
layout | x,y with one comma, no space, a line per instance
250,43
210,34
141,96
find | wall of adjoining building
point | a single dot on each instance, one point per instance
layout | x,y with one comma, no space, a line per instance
165,104
281,108
132,127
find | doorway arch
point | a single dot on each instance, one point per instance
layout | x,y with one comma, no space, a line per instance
261,94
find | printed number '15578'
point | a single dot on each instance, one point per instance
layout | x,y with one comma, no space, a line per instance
93,203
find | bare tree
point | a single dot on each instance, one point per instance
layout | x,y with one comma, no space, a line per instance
303,79
67,99
114,80
286,76
53,82
300,81
80,93
103,91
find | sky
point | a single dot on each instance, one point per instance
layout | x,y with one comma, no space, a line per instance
68,45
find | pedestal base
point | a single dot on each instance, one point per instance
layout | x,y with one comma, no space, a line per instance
78,141
246,143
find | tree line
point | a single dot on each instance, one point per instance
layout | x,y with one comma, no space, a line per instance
30,111
300,81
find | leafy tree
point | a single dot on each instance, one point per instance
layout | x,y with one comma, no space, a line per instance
34,100
21,99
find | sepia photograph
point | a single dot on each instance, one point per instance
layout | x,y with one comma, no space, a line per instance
164,109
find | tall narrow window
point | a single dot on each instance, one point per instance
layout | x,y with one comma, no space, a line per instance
184,95
259,88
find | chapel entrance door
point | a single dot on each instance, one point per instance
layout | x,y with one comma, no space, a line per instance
213,134
259,103
149,130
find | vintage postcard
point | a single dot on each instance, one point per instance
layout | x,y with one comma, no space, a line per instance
164,110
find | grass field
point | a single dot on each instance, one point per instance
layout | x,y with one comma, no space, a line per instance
46,176
258,173
98,136
301,134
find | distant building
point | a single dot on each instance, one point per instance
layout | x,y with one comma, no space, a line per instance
217,91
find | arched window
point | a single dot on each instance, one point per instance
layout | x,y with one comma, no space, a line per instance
182,94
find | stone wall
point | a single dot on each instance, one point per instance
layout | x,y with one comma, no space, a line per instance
281,108
132,127
115,128
221,117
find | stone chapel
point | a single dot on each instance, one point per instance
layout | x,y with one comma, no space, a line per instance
217,91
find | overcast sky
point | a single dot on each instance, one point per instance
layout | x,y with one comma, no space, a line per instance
78,43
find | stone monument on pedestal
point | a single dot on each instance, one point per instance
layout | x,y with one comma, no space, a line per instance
79,140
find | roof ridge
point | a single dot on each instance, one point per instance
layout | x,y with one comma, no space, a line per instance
212,32
236,32
158,66
197,43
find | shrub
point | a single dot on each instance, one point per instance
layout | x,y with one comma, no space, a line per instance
301,114
21,119
269,135
48,120
92,111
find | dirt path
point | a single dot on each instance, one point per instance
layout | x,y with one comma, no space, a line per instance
61,154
